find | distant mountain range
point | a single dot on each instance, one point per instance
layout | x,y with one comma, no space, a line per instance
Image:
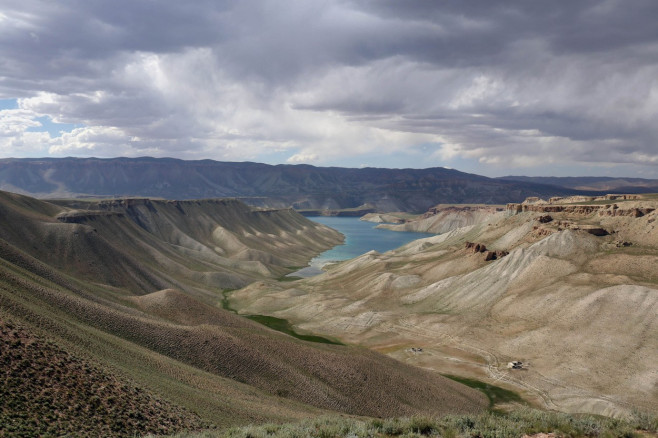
298,186
593,183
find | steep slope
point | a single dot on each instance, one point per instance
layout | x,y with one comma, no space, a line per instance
443,218
145,245
298,186
99,284
47,391
576,297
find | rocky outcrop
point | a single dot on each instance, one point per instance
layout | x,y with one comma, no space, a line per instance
444,218
580,199
554,208
488,255
615,210
567,206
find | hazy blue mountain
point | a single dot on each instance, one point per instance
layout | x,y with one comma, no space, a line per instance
300,186
589,183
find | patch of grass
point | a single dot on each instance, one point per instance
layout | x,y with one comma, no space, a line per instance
278,324
288,278
284,326
495,394
225,304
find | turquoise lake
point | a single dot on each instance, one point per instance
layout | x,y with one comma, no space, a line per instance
360,237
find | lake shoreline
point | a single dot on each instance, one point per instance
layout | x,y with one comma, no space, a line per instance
360,238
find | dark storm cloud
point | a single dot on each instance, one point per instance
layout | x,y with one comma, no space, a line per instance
506,83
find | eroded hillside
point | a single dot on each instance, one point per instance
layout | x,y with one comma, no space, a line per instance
133,289
569,288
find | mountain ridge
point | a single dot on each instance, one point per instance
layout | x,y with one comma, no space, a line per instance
299,186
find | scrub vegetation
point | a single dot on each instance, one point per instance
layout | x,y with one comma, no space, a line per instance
520,423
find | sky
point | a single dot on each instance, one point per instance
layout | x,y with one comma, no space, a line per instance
540,88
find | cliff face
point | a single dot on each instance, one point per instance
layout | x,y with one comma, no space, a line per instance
144,244
608,205
444,218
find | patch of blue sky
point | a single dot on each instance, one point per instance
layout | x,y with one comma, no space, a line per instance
6,104
54,129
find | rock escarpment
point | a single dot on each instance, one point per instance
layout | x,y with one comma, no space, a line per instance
444,218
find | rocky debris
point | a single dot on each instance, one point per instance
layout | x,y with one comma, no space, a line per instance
515,365
489,255
620,244
553,208
544,219
476,247
542,231
621,197
632,212
574,199
495,255
534,200
577,205
513,208
591,229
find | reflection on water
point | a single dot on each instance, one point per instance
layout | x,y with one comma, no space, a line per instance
360,237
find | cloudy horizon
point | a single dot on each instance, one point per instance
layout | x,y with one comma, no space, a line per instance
521,87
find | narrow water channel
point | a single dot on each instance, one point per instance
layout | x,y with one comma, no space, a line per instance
360,237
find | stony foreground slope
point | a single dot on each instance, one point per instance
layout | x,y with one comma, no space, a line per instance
131,290
568,287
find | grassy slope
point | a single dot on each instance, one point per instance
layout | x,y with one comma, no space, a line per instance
85,286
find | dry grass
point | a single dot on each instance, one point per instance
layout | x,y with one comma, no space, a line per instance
47,391
525,422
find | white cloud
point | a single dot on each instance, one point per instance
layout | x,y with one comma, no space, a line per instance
16,121
518,88
302,158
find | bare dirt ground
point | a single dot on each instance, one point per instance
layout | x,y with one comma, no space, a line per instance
576,300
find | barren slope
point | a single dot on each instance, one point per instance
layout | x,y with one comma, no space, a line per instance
115,284
580,307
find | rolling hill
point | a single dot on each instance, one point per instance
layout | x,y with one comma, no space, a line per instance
112,324
569,288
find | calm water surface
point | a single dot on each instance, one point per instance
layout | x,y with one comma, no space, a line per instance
360,237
